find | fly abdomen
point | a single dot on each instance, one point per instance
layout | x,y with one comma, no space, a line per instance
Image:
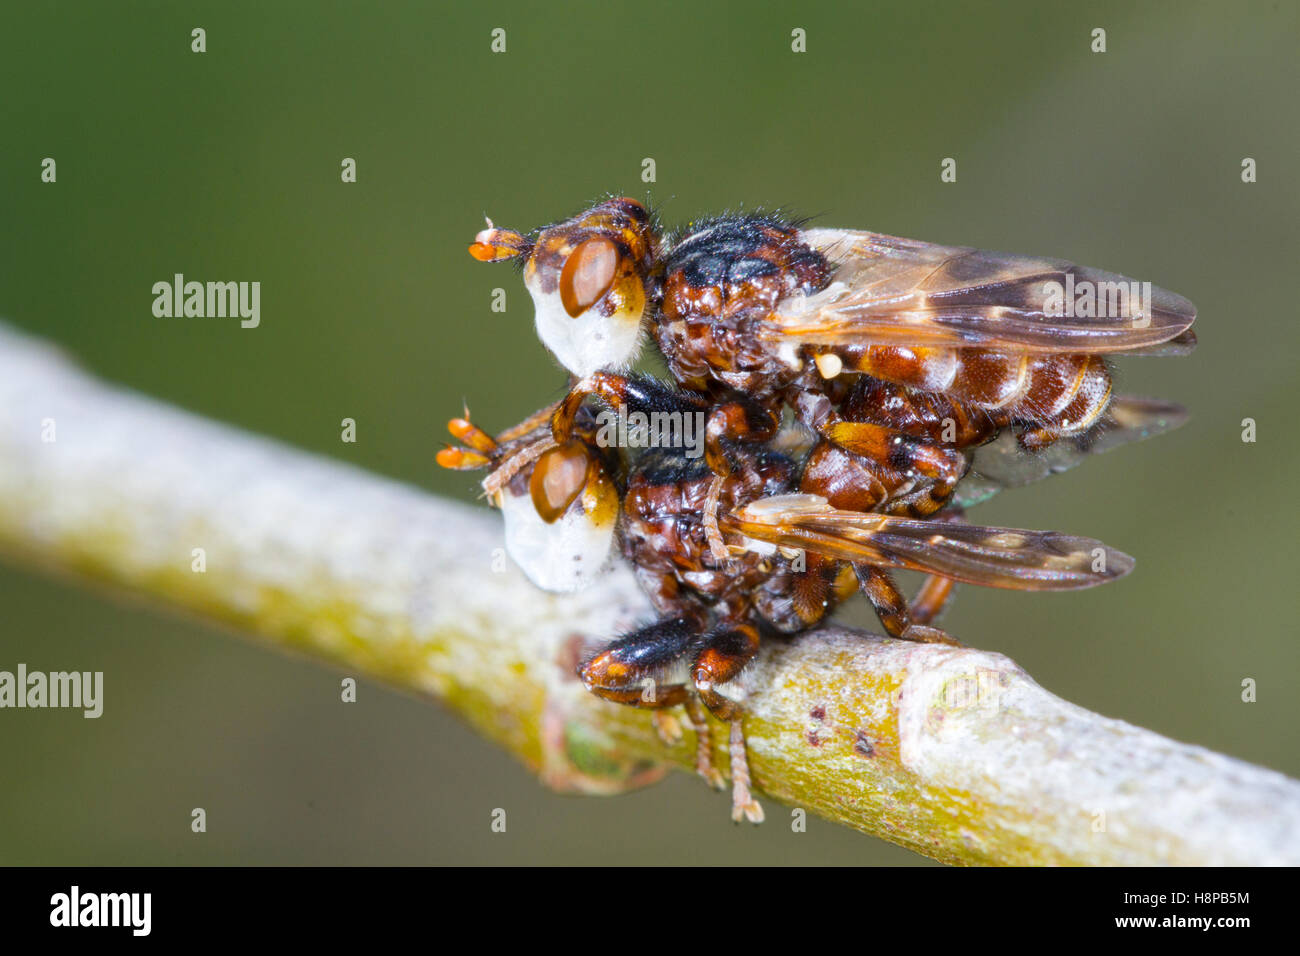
1067,395
1049,395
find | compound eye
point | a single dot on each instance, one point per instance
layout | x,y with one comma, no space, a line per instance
558,478
587,275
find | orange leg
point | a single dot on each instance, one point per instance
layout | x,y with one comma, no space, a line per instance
634,669
931,599
887,601
725,654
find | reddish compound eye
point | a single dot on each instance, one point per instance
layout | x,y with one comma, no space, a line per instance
587,275
558,478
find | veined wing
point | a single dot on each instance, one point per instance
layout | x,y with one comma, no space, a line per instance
903,292
994,557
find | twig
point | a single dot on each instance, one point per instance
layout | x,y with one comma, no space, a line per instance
955,753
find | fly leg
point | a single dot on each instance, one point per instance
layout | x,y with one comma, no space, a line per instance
640,393
736,417
642,669
725,653
629,393
530,424
704,765
931,598
743,804
645,668
740,419
935,591
890,606
667,727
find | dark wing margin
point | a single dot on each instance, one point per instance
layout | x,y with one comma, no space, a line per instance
993,557
892,291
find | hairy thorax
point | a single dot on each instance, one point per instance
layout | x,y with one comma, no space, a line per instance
719,280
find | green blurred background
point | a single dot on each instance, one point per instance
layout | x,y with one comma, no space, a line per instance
225,165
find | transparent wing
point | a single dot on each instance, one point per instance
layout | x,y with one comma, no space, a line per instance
892,291
1002,463
994,557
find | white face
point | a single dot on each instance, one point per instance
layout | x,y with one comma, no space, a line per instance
567,554
591,341
587,277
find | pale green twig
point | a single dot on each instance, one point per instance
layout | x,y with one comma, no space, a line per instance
955,753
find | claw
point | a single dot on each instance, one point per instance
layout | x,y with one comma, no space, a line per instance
749,809
668,727
923,634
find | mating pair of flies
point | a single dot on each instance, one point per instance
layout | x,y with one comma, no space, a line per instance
858,392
